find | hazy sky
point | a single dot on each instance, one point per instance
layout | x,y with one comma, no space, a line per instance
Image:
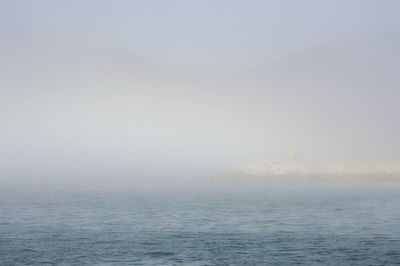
119,91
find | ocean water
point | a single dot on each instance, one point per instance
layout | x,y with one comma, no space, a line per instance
267,225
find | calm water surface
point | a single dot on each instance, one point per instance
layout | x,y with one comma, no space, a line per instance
263,226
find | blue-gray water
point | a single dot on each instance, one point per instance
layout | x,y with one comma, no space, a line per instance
339,225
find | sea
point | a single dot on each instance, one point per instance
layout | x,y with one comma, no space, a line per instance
262,224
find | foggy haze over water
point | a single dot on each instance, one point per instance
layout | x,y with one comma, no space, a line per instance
199,132
94,93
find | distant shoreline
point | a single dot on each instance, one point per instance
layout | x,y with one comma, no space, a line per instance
317,171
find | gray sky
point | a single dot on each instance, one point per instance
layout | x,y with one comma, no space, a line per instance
101,92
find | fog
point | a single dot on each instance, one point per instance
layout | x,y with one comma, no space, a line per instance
141,94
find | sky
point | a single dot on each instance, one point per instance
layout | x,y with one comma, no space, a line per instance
104,93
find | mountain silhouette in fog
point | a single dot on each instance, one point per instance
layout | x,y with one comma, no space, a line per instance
76,109
342,94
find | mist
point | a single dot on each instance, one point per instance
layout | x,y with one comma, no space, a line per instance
114,99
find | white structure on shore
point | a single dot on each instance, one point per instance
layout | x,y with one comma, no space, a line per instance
296,170
320,170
